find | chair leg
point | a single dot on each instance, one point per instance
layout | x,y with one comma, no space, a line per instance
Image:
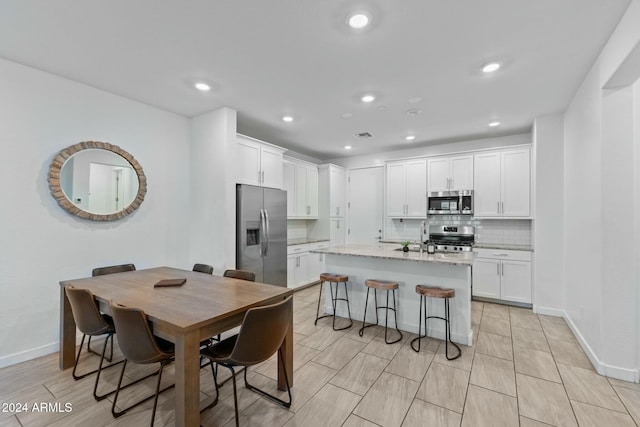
100,368
270,396
75,365
215,384
235,395
98,354
117,414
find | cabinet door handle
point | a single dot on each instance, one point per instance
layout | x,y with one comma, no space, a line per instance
498,269
338,224
259,177
500,254
337,210
502,207
263,177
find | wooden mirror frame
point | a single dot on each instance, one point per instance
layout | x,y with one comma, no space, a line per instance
58,193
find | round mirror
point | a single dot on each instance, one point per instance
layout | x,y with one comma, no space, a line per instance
97,181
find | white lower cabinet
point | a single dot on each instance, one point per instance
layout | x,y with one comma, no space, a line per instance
304,267
502,275
337,232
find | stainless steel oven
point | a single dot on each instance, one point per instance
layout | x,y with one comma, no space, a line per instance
450,203
452,238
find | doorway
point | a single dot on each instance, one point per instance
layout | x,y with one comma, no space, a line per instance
365,192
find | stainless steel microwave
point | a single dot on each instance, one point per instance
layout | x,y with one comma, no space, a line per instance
450,203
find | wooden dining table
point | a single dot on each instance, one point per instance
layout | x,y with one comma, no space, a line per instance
204,306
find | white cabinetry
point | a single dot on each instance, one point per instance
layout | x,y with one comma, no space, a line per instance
502,184
259,163
406,190
502,275
304,267
301,185
450,173
332,205
337,234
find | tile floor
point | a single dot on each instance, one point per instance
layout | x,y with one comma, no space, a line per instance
523,370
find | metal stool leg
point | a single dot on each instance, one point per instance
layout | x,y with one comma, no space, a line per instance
395,317
422,315
364,317
448,333
318,309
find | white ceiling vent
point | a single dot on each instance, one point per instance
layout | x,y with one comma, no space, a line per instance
364,135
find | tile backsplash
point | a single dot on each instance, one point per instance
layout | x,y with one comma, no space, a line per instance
499,231
296,229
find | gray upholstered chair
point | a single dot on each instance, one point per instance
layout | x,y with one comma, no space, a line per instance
262,332
203,268
139,345
90,322
240,274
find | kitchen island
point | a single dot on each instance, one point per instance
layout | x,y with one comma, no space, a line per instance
384,261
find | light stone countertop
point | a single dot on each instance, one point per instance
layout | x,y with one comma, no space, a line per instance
388,251
503,246
304,241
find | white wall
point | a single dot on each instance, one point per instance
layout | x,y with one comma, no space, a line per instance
548,225
600,170
41,243
213,202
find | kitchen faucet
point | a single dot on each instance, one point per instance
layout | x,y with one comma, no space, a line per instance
423,230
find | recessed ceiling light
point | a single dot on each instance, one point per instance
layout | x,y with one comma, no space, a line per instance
494,124
358,19
346,115
202,86
368,98
413,113
410,137
347,147
381,107
415,100
490,67
287,118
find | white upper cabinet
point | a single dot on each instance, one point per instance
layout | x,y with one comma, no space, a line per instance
259,163
450,173
338,195
502,184
406,194
301,185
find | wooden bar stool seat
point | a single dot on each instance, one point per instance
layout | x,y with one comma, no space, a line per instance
332,278
384,285
446,294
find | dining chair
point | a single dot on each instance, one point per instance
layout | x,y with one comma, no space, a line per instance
139,345
240,274
249,276
203,268
101,271
90,322
261,335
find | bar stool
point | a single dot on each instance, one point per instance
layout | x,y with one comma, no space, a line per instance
387,286
337,279
435,292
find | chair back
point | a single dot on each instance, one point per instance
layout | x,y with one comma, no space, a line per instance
101,271
241,274
203,268
262,332
85,311
136,340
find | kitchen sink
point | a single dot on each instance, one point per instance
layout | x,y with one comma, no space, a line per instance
410,249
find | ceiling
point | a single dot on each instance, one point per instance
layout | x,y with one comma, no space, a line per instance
270,58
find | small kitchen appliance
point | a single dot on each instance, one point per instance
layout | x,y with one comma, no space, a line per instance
450,203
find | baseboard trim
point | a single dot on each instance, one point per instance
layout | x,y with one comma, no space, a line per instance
548,311
33,353
619,373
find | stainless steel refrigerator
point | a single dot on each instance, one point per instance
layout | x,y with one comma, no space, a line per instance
261,233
